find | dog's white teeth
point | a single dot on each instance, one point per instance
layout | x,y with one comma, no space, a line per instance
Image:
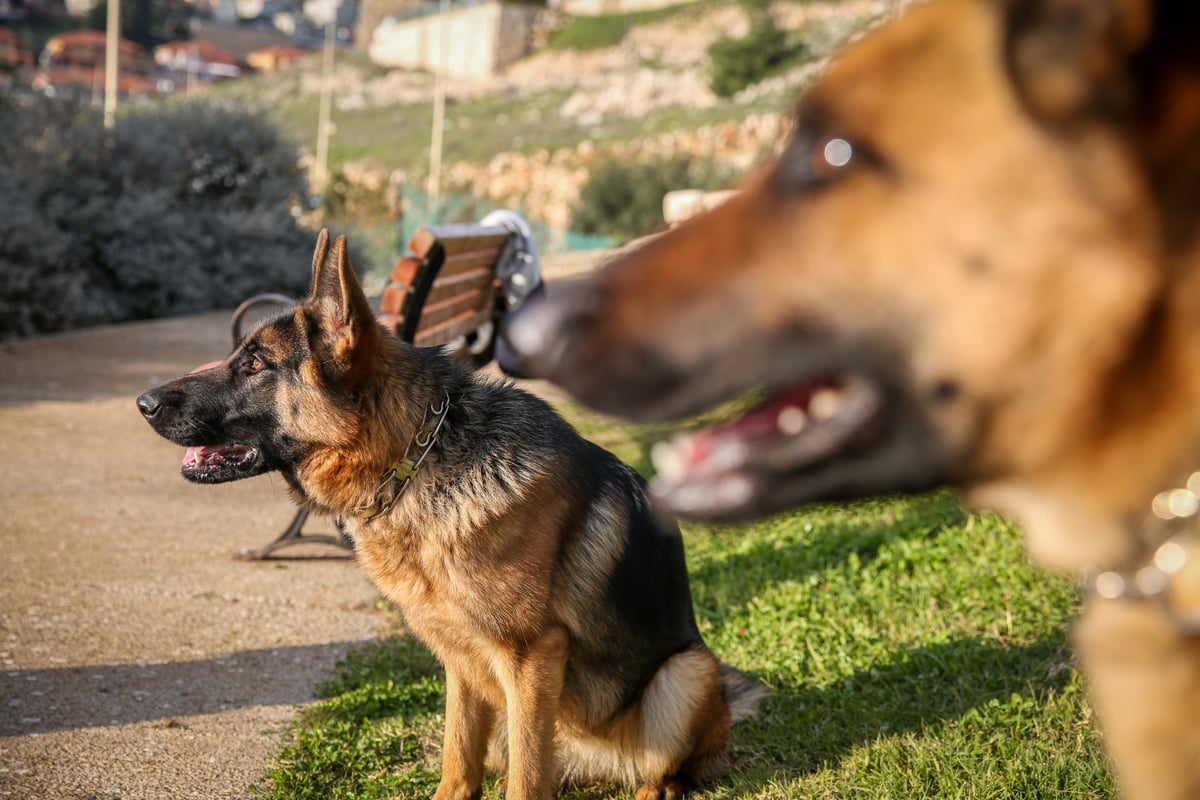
726,454
825,404
732,491
791,420
667,458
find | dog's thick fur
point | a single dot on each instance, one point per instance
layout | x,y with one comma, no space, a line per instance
524,556
996,267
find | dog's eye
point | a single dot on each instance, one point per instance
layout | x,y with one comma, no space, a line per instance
830,157
256,363
814,161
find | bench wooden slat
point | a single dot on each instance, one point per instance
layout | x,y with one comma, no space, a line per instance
474,299
405,270
449,330
458,284
465,260
457,238
393,298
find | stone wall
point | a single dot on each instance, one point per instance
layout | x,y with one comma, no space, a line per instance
545,185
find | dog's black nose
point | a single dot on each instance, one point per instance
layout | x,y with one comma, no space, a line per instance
535,339
149,404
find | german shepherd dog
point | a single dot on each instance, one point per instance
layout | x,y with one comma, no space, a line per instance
975,261
524,556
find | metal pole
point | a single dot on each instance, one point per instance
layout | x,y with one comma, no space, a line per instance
321,177
439,111
112,55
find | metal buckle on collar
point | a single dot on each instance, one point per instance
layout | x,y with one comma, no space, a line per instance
1172,577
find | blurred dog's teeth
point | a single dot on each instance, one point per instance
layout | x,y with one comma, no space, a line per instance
692,499
732,491
667,458
825,403
725,455
791,420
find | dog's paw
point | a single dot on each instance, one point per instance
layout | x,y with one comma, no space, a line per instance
447,791
671,789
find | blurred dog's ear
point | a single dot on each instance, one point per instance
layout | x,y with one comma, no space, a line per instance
1074,58
1132,65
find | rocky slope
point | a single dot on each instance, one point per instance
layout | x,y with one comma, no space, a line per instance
658,69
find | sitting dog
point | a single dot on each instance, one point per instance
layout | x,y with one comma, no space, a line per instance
974,262
524,556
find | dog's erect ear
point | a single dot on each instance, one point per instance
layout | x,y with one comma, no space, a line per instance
1133,65
1135,62
319,255
1073,58
347,321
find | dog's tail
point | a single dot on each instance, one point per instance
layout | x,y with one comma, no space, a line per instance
742,694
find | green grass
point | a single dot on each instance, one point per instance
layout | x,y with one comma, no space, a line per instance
609,30
911,649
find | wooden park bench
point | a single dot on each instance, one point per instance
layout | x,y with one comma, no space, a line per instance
450,291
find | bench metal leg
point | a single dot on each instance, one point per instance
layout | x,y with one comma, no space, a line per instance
294,535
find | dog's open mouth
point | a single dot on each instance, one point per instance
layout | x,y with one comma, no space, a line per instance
219,463
723,472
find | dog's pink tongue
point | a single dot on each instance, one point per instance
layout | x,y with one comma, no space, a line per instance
198,455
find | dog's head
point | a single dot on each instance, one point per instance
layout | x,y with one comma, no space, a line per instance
283,390
969,264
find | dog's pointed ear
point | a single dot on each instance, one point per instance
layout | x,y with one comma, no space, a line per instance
318,263
1075,58
1133,65
346,319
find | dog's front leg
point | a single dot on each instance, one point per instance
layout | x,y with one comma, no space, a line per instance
532,693
469,721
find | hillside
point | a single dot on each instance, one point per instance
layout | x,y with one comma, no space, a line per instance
528,138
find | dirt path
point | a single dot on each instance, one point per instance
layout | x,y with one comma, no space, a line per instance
138,659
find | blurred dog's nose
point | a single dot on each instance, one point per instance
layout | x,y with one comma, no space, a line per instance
149,404
535,339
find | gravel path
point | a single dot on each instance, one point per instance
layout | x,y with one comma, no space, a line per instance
138,659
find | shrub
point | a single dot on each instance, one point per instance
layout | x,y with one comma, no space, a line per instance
738,63
624,199
181,208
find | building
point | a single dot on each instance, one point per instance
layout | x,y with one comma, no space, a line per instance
202,60
466,43
77,60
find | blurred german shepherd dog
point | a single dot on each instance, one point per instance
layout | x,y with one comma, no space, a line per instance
975,261
524,556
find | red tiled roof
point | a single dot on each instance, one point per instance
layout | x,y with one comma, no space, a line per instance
205,51
86,40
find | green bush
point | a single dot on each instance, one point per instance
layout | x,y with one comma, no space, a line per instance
180,208
738,63
608,30
623,199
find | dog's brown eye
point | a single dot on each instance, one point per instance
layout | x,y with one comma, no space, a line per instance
257,363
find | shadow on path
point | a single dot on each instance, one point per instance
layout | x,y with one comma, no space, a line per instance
43,700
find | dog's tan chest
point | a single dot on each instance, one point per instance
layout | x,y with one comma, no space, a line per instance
459,591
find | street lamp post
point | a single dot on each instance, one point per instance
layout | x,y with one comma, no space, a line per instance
112,55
